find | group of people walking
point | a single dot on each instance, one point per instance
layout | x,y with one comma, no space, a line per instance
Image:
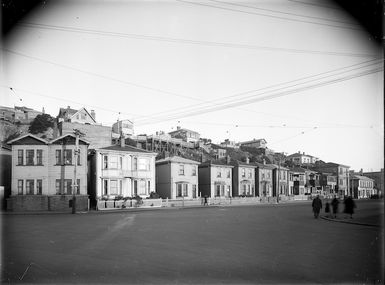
331,209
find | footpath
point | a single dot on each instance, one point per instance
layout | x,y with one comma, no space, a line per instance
362,218
147,208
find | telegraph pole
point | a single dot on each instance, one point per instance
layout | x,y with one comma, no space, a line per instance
77,152
279,179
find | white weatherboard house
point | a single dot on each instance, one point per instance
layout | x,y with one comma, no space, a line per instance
177,177
121,170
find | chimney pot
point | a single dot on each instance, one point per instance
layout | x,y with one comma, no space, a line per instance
247,160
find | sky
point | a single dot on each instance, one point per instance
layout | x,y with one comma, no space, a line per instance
303,75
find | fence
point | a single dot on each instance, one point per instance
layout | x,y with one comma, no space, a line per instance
149,203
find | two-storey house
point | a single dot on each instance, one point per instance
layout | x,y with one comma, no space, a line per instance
361,186
215,179
280,180
340,171
328,182
263,180
243,178
121,170
298,178
185,134
302,158
177,177
45,174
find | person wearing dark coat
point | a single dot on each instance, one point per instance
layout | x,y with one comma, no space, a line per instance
335,203
349,206
317,206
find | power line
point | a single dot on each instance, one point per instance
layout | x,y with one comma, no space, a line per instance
189,41
314,4
271,16
285,13
99,75
215,101
268,97
251,97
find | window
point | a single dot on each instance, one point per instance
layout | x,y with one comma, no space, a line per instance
181,169
218,191
194,191
113,163
179,190
78,186
120,187
185,190
244,189
39,186
20,186
78,157
148,185
228,173
20,156
105,162
58,157
219,173
243,171
263,175
135,164
120,162
58,186
105,187
228,191
249,173
29,185
67,156
223,191
29,153
142,187
39,157
114,187
194,171
143,164
341,181
68,186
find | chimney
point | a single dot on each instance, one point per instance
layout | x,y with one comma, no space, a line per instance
264,161
178,127
93,114
247,160
122,140
361,171
68,107
228,159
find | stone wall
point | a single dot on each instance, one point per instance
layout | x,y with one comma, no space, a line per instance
54,203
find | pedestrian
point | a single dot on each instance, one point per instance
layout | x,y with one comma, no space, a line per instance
317,206
349,206
327,209
335,203
205,203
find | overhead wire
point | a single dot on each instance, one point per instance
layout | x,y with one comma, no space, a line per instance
237,95
187,41
251,98
285,13
271,16
258,99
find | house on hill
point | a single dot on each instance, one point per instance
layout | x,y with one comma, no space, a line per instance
121,170
43,173
256,143
215,179
81,116
301,158
243,178
177,177
185,134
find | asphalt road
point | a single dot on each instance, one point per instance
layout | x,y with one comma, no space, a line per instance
280,244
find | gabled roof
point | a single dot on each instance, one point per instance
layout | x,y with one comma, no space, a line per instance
126,148
27,135
261,165
328,164
78,111
68,135
275,166
176,159
215,163
69,111
360,177
253,141
241,163
183,130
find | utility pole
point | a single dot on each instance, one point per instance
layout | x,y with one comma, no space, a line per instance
77,152
279,179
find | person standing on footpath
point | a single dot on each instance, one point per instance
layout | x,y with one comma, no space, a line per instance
317,206
335,203
349,206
